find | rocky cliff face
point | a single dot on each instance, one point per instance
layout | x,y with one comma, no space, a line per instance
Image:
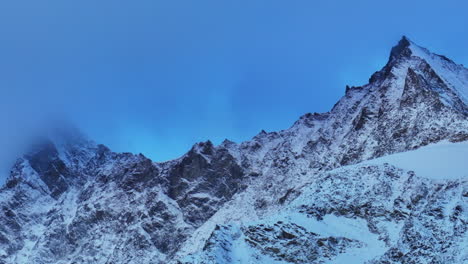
301,195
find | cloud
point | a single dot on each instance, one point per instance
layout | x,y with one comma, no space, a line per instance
157,76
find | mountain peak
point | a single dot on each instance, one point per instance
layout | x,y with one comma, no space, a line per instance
268,193
402,49
407,48
408,55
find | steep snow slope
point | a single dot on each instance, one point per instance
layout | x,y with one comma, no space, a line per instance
402,108
355,214
370,211
300,195
439,161
454,76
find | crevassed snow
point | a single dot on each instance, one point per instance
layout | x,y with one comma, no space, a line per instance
443,160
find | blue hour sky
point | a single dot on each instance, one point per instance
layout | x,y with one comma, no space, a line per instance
156,76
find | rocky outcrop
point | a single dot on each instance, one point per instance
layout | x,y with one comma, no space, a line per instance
70,200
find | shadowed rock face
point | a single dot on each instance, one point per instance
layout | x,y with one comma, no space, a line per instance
293,244
143,206
73,201
205,170
285,242
51,169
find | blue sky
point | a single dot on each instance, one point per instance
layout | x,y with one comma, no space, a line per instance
157,76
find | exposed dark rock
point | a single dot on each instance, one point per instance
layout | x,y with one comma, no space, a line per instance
72,201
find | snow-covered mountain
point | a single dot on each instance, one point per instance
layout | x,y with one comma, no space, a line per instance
381,178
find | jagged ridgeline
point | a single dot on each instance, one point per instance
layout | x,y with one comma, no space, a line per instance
332,188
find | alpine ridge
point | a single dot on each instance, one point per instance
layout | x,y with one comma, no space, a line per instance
326,190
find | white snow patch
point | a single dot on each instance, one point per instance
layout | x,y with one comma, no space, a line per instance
339,226
443,160
455,76
232,248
